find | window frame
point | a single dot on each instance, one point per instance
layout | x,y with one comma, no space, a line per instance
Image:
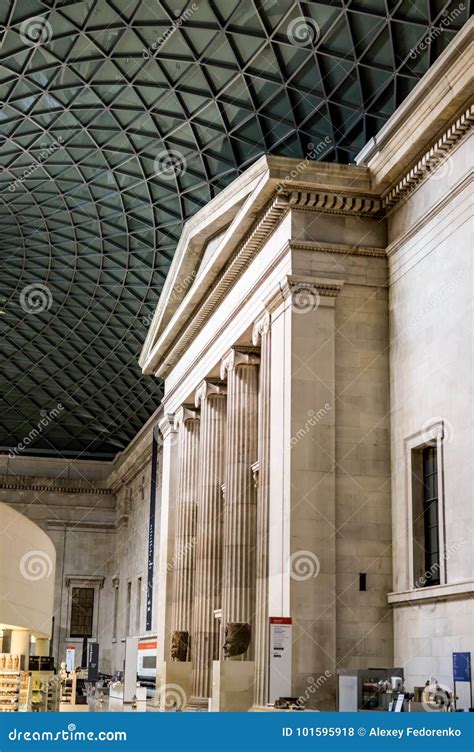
432,436
85,605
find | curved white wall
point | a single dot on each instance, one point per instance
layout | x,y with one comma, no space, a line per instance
27,564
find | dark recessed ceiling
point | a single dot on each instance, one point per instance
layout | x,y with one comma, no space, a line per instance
118,121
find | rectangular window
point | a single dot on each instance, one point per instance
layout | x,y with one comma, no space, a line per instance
82,612
430,514
426,532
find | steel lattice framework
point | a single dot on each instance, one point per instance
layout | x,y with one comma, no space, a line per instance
119,119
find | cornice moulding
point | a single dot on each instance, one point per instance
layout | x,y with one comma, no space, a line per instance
432,159
23,484
440,96
346,250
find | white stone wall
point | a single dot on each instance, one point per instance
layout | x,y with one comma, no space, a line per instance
78,516
431,370
97,516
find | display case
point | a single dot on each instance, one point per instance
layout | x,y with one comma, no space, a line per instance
45,691
367,689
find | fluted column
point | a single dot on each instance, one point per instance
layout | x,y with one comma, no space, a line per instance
261,333
238,596
187,424
211,397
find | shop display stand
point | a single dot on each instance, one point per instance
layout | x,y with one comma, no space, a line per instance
45,691
15,691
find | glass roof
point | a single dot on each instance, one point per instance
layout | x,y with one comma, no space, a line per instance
118,120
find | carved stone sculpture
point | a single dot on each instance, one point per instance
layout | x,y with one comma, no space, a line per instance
237,638
179,645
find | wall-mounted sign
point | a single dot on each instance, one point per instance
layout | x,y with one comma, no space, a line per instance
93,661
151,535
462,667
70,659
280,657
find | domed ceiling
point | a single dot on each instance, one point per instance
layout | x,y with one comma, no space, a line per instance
118,120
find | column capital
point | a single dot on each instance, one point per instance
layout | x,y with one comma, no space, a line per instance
166,425
209,388
261,327
184,414
237,356
305,292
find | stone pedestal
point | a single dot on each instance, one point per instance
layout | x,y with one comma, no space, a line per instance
173,685
211,397
232,686
238,591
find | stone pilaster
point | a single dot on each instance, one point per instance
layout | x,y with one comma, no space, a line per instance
238,597
211,397
302,515
187,424
262,334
